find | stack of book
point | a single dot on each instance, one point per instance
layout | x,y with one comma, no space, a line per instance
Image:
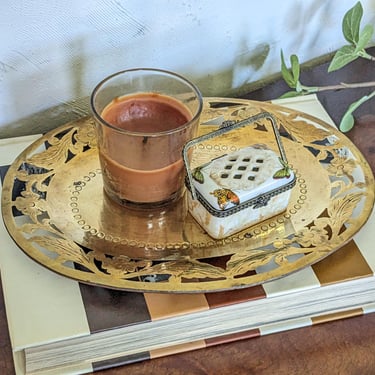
60,326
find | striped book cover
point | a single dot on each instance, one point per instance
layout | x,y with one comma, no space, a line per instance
44,308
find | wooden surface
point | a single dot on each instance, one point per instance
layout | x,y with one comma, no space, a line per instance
345,347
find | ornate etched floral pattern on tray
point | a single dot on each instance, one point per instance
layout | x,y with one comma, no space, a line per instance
54,207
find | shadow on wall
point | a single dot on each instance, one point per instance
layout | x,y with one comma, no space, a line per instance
219,83
50,85
45,120
234,81
44,83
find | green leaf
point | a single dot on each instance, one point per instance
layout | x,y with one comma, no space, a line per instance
281,173
347,121
343,56
295,67
287,75
351,23
364,37
291,94
198,175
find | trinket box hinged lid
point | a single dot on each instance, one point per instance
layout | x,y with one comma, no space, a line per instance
237,168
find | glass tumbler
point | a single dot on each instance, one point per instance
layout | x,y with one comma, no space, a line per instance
143,118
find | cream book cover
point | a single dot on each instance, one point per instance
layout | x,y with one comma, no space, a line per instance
45,309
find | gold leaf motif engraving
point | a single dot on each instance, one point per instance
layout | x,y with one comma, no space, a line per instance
123,265
332,199
185,268
341,166
64,249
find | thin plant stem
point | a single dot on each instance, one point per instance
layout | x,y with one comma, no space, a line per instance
339,86
344,85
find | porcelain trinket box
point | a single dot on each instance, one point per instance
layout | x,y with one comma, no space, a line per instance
240,188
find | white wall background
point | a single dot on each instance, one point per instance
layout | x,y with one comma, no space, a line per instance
52,53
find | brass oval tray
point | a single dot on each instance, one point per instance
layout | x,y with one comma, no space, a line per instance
54,207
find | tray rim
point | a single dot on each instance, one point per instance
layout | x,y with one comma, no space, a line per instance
197,287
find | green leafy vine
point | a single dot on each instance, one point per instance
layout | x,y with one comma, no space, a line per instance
358,40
